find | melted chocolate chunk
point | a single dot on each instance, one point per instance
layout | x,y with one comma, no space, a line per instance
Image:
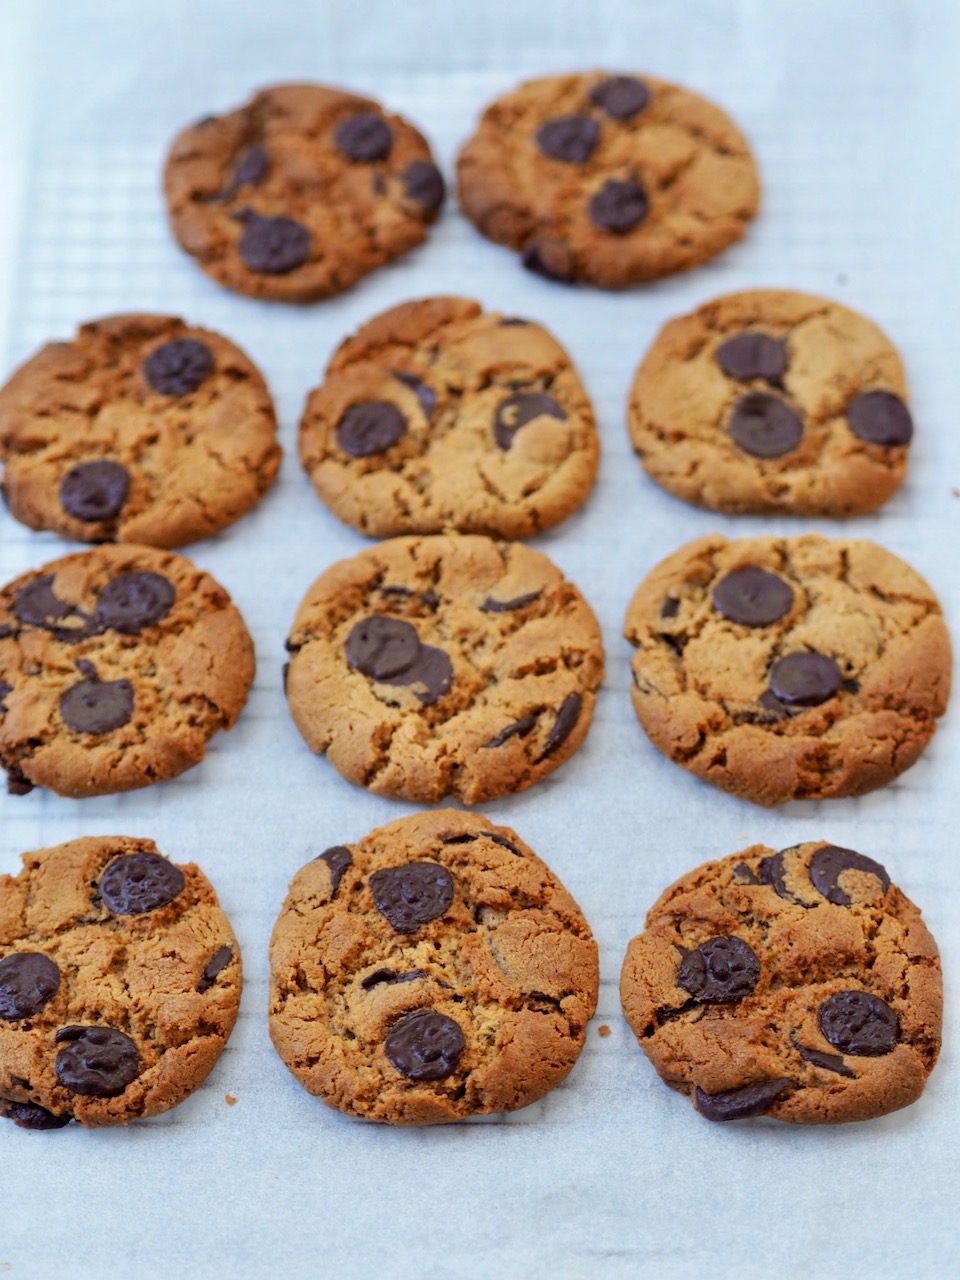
670,608
98,1062
464,837
805,679
753,597
880,417
507,606
745,875
17,783
133,883
95,706
721,969
38,606
752,355
273,246
517,410
551,258
830,862
519,728
765,426
859,1023
423,391
382,647
827,1061
425,1045
620,96
571,139
771,873
28,979
497,838
134,600
249,168
214,966
412,895
390,975
433,670
423,184
4,690
28,1115
619,206
178,367
364,137
338,859
739,1104
568,714
369,427
93,491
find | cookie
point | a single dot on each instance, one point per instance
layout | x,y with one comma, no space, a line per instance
300,192
788,668
435,666
610,179
436,416
771,400
117,665
801,985
119,983
142,429
434,970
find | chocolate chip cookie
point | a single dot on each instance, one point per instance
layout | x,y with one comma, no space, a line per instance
119,983
801,985
773,401
300,192
434,970
116,666
444,665
142,429
611,179
437,415
788,668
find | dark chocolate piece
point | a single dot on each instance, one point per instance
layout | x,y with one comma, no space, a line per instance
273,246
412,895
382,647
425,1045
670,607
370,427
507,606
829,863
133,600
752,355
423,391
571,139
619,206
860,1023
568,714
464,837
739,1104
551,258
423,185
518,729
93,491
433,670
28,979
28,1115
214,966
805,679
507,843
390,975
765,426
5,688
880,417
338,859
133,883
722,969
96,706
753,597
250,167
826,1061
18,784
771,873
364,137
620,96
517,410
178,367
97,1062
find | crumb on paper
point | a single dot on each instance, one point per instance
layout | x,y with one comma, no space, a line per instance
231,1100
603,1029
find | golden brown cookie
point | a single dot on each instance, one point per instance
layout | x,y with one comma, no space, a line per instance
425,667
771,400
300,192
801,985
116,666
142,429
434,970
610,179
437,415
119,983
788,668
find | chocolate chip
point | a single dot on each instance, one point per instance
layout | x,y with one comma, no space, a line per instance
805,679
464,837
518,729
517,410
273,246
364,137
830,862
670,608
28,979
412,895
745,875
425,1045
433,670
37,605
98,1062
571,139
133,600
497,838
860,1023
178,367
620,96
250,167
28,1115
771,873
214,966
18,784
739,1104
827,1061
133,883
424,392
753,597
423,184
390,975
4,690
721,969
430,598
752,355
619,206
880,417
765,426
369,427
338,859
93,705
507,606
568,714
551,258
93,491
509,321
382,647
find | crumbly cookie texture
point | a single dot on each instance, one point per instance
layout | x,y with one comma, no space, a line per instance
444,665
116,666
771,400
439,416
434,970
141,429
609,179
119,983
798,984
300,192
788,668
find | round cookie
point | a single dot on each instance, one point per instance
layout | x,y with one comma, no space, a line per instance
771,400
610,179
436,415
297,194
119,983
444,665
141,429
801,985
788,668
117,665
434,970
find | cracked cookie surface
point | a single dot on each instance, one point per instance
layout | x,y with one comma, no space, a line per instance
141,429
608,179
119,983
436,415
799,984
788,668
444,665
433,970
116,666
297,194
771,400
